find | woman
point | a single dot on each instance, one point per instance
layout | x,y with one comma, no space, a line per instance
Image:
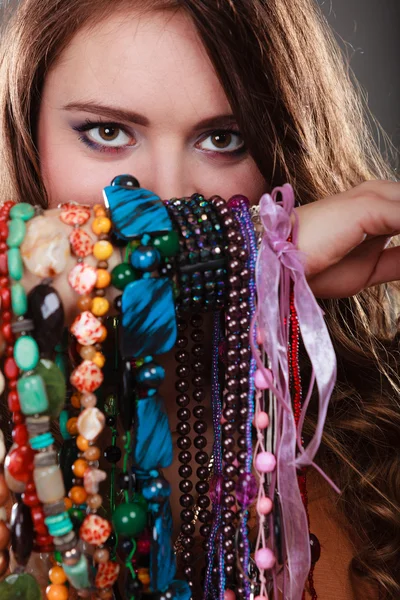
235,96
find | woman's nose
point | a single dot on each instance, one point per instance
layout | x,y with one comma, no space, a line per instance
168,175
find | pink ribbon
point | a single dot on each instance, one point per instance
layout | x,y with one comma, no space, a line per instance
278,263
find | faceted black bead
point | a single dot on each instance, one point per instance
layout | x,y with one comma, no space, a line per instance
315,548
112,454
185,457
46,310
183,414
185,471
183,428
201,457
183,400
184,443
200,442
202,487
199,412
22,534
182,356
199,394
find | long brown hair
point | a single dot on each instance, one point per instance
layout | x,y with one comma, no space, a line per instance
303,122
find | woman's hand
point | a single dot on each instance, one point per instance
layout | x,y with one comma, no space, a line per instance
345,239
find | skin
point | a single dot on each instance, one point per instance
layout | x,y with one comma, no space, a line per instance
154,66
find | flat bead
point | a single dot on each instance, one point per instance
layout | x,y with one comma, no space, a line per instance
82,278
102,250
15,264
32,395
22,210
26,353
86,328
21,586
47,312
49,484
107,574
95,530
81,243
45,249
74,214
16,233
92,480
87,377
91,422
55,384
19,300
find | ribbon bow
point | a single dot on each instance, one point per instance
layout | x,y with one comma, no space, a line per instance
280,265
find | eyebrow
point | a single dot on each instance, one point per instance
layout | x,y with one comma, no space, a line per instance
120,114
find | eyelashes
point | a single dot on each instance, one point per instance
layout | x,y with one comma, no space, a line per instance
114,138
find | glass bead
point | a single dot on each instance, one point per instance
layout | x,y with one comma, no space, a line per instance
167,244
129,519
102,250
49,484
22,210
19,301
78,573
26,353
246,489
100,306
32,395
77,494
101,224
145,258
123,274
112,454
151,375
57,592
16,233
47,312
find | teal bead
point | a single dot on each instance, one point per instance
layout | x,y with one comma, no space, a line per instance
16,233
61,362
62,421
26,353
78,575
23,211
167,244
41,441
15,264
19,300
32,395
129,519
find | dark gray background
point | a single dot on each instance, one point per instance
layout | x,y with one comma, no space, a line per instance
369,33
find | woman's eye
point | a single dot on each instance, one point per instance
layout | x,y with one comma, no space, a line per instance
109,135
222,141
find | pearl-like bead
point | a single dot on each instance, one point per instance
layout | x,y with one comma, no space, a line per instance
265,462
264,505
229,595
261,379
261,420
261,598
264,558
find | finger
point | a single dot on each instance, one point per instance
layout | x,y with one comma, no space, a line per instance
387,268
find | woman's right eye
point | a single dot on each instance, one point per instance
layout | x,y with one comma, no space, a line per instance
111,137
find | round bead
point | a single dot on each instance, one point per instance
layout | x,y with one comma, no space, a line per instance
99,359
150,375
145,258
100,306
94,501
72,427
264,558
57,575
102,250
261,420
261,598
123,274
87,352
229,595
92,453
103,278
75,398
265,462
112,454
130,519
167,244
101,224
264,505
88,400
57,592
84,303
79,467
261,379
77,494
101,555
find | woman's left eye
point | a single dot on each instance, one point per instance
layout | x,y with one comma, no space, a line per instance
229,142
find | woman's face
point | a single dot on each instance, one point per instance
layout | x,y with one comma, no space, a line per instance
139,95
